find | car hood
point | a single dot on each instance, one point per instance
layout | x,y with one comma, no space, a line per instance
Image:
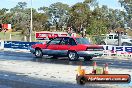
127,40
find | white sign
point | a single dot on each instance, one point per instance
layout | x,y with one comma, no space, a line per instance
118,48
1,44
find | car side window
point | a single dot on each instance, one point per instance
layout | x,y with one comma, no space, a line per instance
55,41
115,37
110,36
65,41
72,41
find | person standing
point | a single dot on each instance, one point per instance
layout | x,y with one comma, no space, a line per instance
69,31
83,32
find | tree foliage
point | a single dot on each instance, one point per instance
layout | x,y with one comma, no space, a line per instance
58,16
57,13
127,4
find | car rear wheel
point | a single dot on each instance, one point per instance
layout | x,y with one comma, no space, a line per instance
88,58
38,53
124,44
73,56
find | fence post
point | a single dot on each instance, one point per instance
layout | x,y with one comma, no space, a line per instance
25,38
10,37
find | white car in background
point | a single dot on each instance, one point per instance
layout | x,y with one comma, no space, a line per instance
112,39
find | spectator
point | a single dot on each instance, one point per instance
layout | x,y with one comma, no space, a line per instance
83,32
69,31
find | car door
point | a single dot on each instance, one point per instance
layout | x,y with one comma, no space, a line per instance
115,40
64,46
52,46
110,39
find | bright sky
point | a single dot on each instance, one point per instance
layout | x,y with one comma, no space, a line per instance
39,3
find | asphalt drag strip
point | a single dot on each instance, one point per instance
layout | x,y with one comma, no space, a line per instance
12,80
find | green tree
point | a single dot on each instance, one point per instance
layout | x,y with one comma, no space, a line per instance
127,4
57,13
39,21
93,20
98,22
3,12
79,15
21,19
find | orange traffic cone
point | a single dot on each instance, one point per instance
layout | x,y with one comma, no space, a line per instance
94,68
106,69
79,69
82,72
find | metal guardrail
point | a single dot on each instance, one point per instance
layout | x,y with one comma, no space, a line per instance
18,44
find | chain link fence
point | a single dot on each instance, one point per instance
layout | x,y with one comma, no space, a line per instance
15,36
96,39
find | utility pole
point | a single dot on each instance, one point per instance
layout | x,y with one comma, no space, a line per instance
119,34
30,35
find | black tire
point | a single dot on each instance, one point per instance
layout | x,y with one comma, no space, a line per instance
88,58
81,80
129,80
38,53
72,55
102,43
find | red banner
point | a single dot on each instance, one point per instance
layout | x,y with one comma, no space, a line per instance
49,34
5,26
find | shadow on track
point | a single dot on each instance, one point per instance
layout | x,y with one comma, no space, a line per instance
115,63
14,81
62,60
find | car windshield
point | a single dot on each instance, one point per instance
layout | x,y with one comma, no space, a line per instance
82,41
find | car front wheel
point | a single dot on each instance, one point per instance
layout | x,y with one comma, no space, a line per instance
38,53
73,56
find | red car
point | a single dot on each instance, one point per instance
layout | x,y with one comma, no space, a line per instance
71,47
